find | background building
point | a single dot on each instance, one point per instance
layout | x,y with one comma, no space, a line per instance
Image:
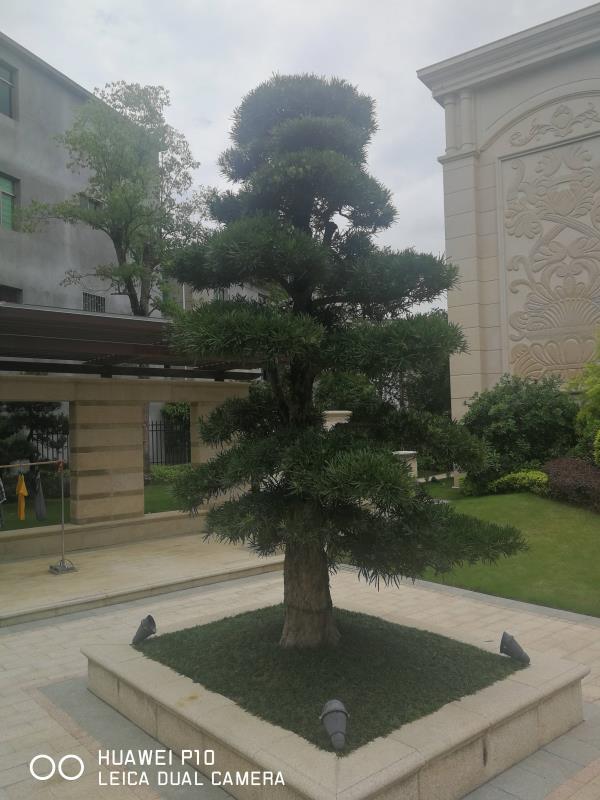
37,103
522,200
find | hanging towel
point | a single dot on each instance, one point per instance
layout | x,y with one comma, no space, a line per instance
39,503
22,493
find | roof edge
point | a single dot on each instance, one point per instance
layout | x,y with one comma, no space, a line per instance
45,67
575,31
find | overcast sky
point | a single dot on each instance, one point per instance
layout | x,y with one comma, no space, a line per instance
209,53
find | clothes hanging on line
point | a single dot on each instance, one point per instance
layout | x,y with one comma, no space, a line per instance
39,503
2,500
22,493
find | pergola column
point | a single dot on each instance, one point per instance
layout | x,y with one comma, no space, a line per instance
106,460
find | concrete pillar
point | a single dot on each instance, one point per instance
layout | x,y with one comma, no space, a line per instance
106,460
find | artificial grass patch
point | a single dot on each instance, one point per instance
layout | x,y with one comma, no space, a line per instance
386,674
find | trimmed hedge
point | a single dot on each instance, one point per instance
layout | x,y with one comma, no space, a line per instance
162,473
574,481
525,480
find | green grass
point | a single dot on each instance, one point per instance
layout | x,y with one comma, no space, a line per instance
157,497
386,674
561,569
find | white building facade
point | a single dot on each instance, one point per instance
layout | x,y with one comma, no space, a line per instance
522,201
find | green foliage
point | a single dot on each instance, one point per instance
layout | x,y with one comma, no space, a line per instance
597,448
20,421
167,474
138,192
587,385
526,480
523,422
175,411
302,222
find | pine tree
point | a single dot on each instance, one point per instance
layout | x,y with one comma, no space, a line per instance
302,226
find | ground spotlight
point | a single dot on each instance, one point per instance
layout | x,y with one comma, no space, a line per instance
334,717
510,647
147,628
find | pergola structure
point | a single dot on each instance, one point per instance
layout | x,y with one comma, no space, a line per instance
59,340
97,363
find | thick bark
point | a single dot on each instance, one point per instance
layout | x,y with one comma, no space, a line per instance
309,620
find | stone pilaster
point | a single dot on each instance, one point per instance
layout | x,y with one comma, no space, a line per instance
106,460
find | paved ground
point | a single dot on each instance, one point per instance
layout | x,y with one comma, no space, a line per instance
44,707
115,574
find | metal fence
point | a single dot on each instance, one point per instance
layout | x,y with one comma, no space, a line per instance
169,442
50,448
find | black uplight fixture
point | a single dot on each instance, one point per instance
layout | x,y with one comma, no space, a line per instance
147,628
334,718
510,647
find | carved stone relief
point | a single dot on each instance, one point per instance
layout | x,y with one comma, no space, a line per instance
552,257
564,121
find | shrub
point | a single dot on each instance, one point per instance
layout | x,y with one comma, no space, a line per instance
525,480
574,481
597,448
524,422
161,473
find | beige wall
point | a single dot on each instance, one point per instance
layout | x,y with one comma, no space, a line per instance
106,417
522,201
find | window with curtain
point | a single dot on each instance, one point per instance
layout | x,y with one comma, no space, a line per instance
8,190
7,90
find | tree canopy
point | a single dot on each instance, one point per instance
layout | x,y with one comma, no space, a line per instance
138,192
302,224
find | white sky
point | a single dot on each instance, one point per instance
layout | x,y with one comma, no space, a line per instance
209,53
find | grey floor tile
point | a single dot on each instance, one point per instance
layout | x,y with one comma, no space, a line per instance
523,784
550,766
488,792
567,746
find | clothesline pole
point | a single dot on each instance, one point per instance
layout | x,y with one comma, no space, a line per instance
64,565
62,511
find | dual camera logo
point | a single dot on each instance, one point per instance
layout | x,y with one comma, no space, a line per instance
43,767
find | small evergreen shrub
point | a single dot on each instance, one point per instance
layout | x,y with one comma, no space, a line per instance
574,481
525,480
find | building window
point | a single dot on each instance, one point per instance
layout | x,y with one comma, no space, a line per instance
94,302
8,192
88,202
7,90
10,294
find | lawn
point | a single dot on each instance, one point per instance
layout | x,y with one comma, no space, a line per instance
562,566
157,497
386,674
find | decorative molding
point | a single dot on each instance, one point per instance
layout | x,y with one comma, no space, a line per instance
535,46
562,123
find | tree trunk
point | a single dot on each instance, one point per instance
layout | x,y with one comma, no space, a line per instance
309,618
